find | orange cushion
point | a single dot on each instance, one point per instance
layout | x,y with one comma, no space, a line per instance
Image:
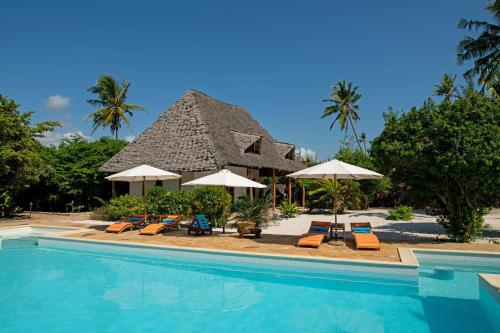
366,241
118,227
152,229
313,240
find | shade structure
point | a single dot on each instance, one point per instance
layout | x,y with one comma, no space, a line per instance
336,169
225,178
143,173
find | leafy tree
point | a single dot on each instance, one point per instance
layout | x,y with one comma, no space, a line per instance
20,160
448,155
113,109
214,202
162,201
484,49
446,88
344,98
71,178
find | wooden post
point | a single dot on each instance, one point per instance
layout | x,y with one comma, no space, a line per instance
250,188
113,189
303,196
144,197
274,190
289,190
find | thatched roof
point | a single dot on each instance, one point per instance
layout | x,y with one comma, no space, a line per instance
201,133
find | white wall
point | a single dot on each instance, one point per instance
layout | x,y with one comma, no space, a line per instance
135,188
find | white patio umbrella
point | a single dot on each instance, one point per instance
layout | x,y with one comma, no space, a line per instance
227,179
336,169
143,173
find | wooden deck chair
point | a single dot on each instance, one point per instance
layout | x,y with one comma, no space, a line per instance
364,237
316,234
199,225
165,222
131,223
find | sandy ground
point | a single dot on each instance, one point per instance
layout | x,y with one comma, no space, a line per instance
281,236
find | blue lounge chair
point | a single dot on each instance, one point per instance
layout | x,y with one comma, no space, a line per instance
199,225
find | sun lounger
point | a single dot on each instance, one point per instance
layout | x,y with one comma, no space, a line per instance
199,225
131,223
316,234
165,222
364,237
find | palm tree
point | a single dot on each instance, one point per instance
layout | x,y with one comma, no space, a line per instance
494,85
363,139
446,87
344,98
112,110
484,49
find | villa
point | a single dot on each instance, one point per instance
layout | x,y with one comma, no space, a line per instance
199,135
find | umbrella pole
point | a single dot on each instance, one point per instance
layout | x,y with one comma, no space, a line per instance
224,225
335,205
144,197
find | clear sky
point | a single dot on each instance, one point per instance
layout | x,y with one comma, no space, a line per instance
278,59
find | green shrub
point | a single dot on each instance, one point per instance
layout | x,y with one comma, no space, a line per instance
400,213
289,209
121,206
162,201
212,201
255,210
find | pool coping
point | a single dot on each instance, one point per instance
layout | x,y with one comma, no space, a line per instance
491,279
68,229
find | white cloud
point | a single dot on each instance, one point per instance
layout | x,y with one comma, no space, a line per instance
55,138
130,138
57,102
306,154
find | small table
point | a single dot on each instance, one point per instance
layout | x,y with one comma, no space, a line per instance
339,226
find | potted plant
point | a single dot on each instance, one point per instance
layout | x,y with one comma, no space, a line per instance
251,214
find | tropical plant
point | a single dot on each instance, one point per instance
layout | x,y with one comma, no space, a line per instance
289,209
484,50
256,210
214,202
113,109
21,162
446,88
344,98
163,201
337,196
448,156
400,213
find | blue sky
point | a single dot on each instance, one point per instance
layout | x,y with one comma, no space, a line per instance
278,59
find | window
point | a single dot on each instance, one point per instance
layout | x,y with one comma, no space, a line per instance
254,148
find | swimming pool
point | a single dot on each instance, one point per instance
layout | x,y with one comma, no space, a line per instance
53,285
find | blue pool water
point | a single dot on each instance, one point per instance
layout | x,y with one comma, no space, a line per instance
54,286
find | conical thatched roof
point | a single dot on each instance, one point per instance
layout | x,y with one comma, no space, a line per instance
201,133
